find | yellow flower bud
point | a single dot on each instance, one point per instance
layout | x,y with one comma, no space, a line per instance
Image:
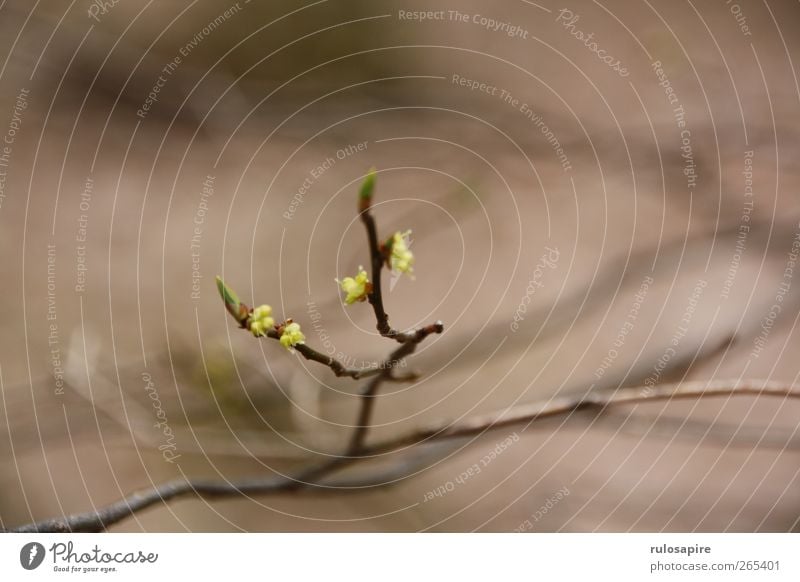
357,288
401,259
292,336
260,320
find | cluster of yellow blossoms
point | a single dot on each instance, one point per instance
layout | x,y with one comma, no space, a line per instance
260,320
400,260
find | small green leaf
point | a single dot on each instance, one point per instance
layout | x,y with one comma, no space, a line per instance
232,303
228,295
367,187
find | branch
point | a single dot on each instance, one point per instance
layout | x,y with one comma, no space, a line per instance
338,368
408,339
597,401
371,389
377,261
99,520
377,254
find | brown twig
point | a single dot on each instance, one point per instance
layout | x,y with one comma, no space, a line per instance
408,339
335,365
377,260
371,389
477,425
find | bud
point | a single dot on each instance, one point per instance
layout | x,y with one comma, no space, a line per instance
367,188
236,308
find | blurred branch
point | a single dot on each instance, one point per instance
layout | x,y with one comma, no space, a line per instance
314,477
596,401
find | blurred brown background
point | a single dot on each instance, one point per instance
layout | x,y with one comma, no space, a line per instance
105,182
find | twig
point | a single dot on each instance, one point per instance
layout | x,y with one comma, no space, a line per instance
377,261
371,389
408,339
338,368
310,478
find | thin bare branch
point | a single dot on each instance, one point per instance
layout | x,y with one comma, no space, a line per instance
313,478
597,401
377,260
338,368
408,339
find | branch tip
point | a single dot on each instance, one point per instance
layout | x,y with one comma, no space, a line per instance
366,191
